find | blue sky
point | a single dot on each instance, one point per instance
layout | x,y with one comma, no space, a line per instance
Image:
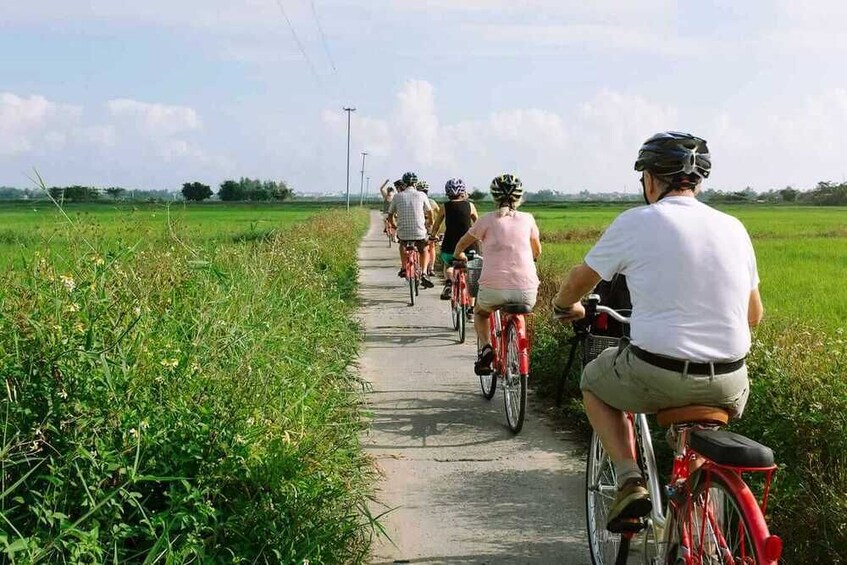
560,92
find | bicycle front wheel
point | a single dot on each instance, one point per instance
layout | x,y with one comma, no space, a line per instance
600,491
455,311
514,383
719,523
463,318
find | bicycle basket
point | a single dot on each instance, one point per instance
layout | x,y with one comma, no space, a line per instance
594,345
474,270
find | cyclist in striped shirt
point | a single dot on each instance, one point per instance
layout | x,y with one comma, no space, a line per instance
411,212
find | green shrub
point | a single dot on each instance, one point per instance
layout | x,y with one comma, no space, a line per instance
168,405
798,407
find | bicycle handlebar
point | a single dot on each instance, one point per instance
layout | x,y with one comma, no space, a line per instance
461,264
594,307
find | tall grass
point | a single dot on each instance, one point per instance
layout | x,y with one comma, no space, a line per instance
174,405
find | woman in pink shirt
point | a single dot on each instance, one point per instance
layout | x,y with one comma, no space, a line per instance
510,246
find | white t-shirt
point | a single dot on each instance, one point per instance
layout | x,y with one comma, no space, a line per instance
690,270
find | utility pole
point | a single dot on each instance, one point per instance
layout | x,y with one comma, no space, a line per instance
362,180
349,112
367,187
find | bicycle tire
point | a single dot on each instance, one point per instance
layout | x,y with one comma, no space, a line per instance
488,383
738,521
514,383
600,491
463,321
411,290
454,312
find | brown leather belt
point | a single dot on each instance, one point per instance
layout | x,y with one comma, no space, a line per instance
678,365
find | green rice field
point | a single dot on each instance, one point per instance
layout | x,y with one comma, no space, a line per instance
801,253
29,226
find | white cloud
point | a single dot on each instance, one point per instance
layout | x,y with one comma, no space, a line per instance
154,119
40,130
418,125
98,135
32,123
592,146
160,127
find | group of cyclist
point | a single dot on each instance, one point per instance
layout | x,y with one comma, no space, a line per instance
691,272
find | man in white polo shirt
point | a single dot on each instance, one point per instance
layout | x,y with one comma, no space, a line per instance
691,272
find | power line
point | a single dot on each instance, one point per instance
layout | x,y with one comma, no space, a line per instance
299,44
323,36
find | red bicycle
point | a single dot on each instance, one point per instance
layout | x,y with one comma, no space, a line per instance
412,268
460,298
706,513
390,232
511,342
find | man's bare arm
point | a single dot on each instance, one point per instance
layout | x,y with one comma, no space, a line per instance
581,279
755,308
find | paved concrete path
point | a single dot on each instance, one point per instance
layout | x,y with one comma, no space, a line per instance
463,489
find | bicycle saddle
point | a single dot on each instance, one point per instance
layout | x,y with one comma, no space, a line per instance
692,414
517,309
731,449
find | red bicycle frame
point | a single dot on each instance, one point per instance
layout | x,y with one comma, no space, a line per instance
681,500
411,261
460,295
499,327
768,546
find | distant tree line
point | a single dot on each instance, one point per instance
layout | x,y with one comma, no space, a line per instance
254,189
824,194
244,189
247,189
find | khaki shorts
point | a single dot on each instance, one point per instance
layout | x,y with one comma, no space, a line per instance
623,381
489,299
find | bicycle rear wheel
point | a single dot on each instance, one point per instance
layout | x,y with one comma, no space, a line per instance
412,289
719,523
514,383
488,383
600,491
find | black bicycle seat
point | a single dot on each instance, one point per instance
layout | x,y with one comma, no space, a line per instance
731,449
516,309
